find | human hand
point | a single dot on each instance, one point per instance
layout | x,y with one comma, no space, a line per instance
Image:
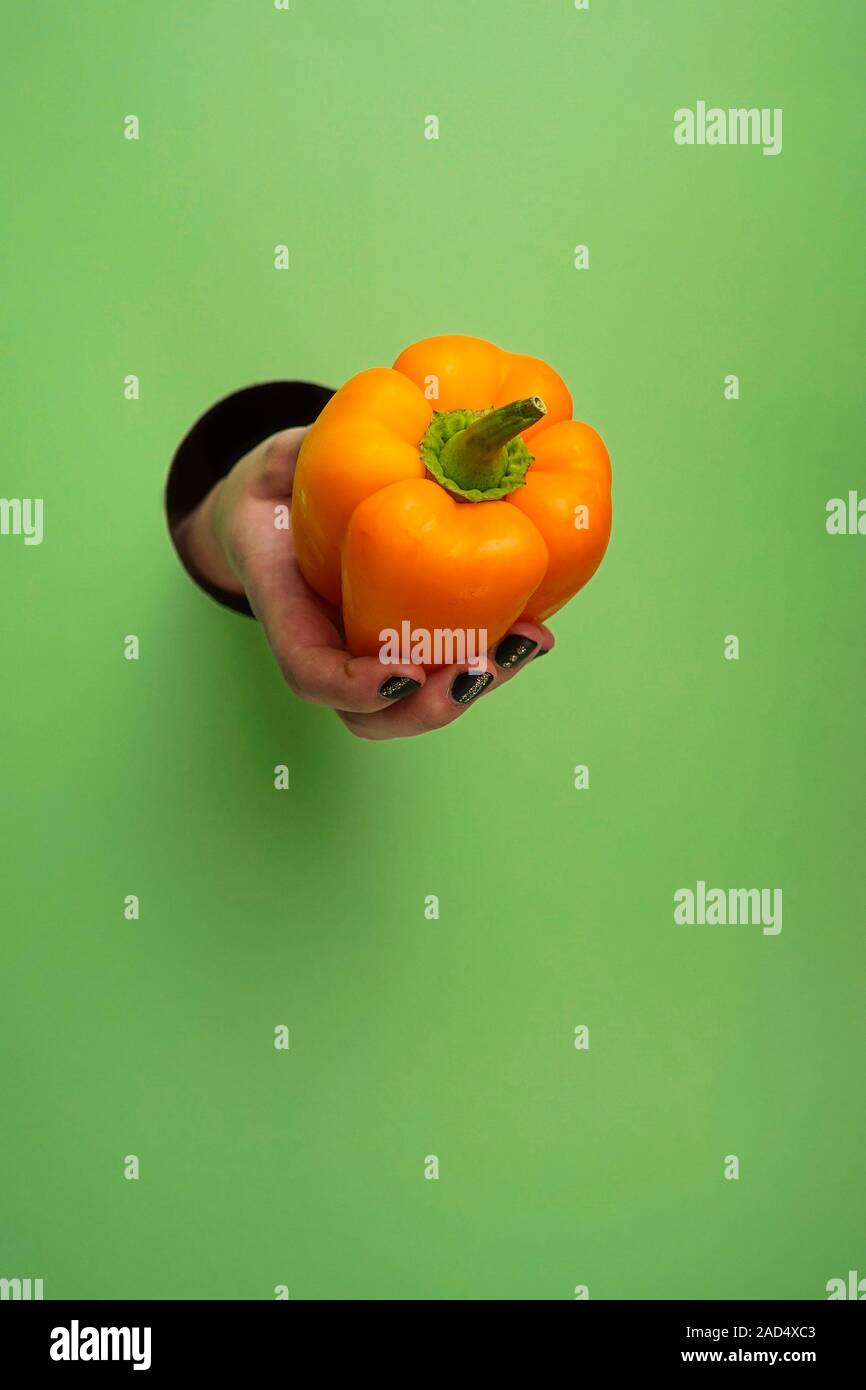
239,538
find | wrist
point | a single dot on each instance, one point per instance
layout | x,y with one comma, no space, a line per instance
201,548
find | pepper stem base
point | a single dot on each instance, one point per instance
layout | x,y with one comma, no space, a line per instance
477,454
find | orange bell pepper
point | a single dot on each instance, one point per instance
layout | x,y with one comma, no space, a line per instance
492,507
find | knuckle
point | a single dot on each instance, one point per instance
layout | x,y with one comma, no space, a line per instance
276,464
292,680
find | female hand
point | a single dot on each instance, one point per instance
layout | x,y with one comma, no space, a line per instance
237,539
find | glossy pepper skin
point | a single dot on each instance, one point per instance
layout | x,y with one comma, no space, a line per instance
494,506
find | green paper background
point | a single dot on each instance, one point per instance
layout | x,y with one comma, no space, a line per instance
456,1038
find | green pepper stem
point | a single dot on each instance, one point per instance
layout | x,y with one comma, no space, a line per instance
475,457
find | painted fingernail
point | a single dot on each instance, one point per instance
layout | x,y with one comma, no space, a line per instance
398,687
468,685
543,652
513,649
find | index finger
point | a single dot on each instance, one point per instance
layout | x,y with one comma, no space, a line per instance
311,655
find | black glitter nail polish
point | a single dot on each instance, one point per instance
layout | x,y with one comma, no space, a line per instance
468,685
513,649
398,687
